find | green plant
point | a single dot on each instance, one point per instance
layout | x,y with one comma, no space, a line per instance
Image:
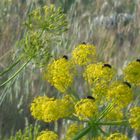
102,103
29,133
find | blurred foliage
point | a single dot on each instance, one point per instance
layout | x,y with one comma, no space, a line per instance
113,26
29,133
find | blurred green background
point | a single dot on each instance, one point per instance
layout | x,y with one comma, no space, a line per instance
112,26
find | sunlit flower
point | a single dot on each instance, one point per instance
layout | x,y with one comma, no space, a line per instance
100,90
117,136
60,74
116,114
84,54
50,109
96,72
134,119
47,135
86,108
38,106
132,72
121,93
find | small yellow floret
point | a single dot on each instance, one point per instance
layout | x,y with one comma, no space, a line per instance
97,72
117,136
60,74
132,73
134,119
121,93
50,109
47,135
86,108
84,54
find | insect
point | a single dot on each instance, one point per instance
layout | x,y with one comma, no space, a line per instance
84,43
90,97
128,84
65,56
107,65
138,60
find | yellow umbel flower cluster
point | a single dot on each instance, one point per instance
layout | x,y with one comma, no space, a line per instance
60,74
97,72
84,54
72,130
106,97
47,135
132,72
50,109
116,114
117,136
121,93
134,119
86,108
100,90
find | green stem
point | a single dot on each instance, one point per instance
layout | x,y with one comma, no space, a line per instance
105,111
9,68
17,72
82,133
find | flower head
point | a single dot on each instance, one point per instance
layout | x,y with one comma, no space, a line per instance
117,136
86,108
97,72
132,73
38,106
134,119
59,74
116,114
84,54
100,90
50,109
47,135
121,93
48,18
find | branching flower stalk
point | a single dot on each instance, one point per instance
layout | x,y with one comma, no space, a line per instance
94,111
100,108
44,28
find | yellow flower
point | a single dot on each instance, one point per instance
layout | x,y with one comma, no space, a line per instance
47,135
117,136
97,72
67,106
73,129
84,54
60,74
121,93
38,106
50,109
132,73
115,114
134,119
100,90
86,108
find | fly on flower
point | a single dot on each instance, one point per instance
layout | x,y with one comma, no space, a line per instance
107,65
138,60
90,97
128,84
65,56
